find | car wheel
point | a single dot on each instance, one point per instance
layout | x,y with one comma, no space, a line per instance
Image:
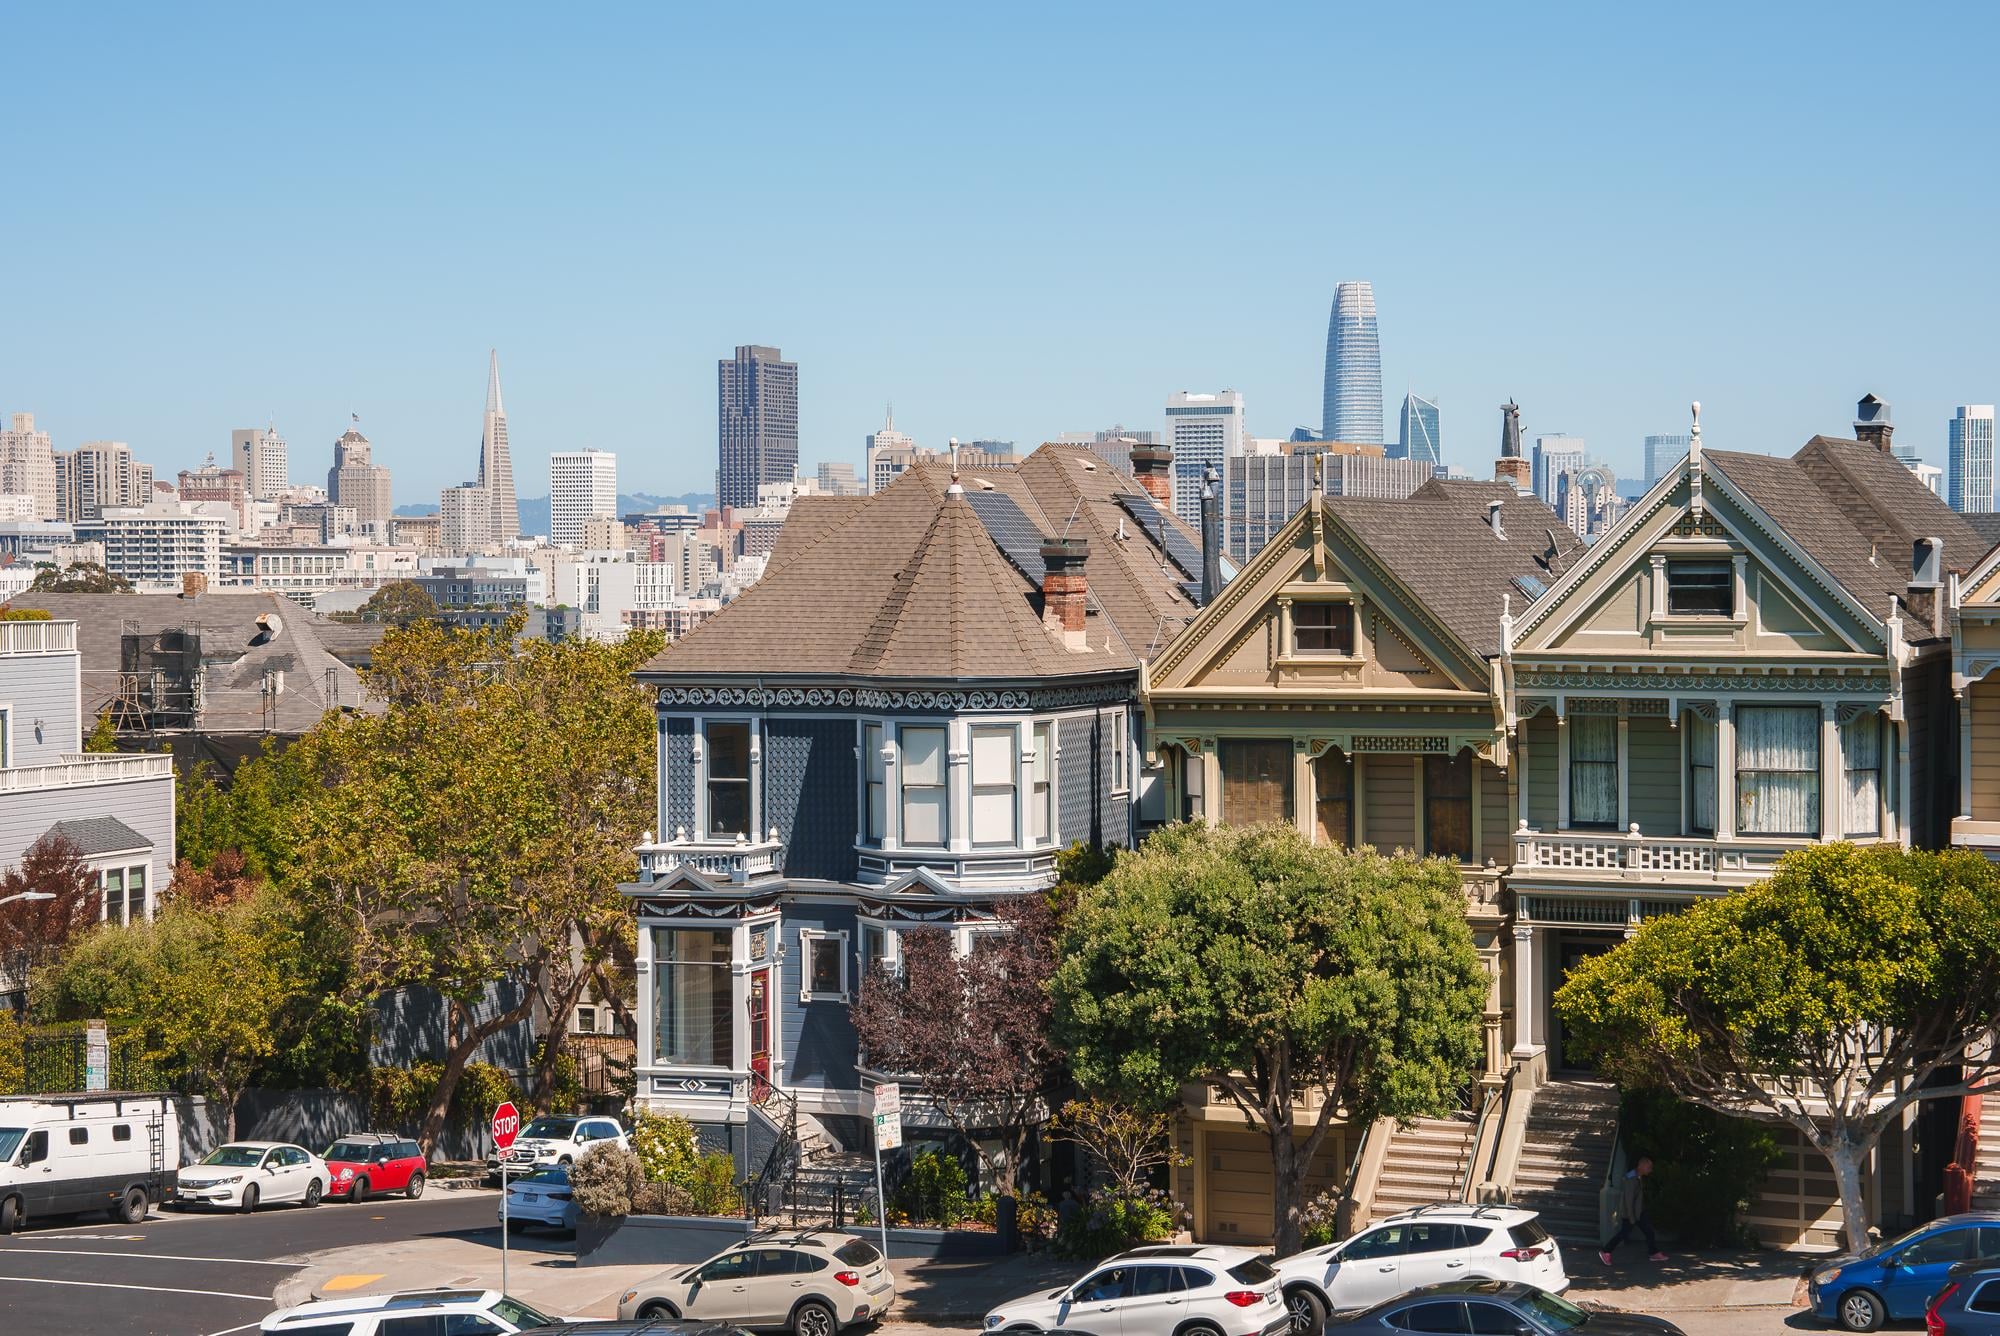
416,1188
312,1194
656,1311
1198,1329
359,1192
1308,1313
1860,1311
11,1216
813,1318
133,1209
249,1199
565,1162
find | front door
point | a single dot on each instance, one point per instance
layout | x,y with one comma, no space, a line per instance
760,1036
1571,952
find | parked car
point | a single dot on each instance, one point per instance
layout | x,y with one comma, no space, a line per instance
244,1175
439,1312
371,1162
1969,1303
1427,1246
640,1326
541,1197
548,1139
812,1282
1196,1290
1894,1281
1495,1308
116,1153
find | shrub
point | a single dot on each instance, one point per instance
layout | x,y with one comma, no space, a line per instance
606,1181
934,1190
1706,1165
667,1146
1112,1222
712,1186
1321,1224
23,615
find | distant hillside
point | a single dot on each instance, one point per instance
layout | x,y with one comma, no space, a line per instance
535,509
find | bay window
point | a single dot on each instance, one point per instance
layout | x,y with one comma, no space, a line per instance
692,1011
1256,780
1333,798
1701,774
876,771
1777,770
1041,803
922,772
1861,768
727,758
996,772
1593,769
1448,806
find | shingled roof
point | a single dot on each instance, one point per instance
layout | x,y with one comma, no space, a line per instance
908,583
1857,511
1439,544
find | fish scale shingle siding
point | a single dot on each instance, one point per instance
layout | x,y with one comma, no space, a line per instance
676,778
811,774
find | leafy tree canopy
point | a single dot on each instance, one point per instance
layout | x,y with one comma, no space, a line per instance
83,577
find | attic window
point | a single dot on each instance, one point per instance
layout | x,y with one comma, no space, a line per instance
1700,589
1323,628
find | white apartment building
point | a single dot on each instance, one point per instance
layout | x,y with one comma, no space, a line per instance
583,485
465,519
305,571
262,457
1205,431
28,466
155,546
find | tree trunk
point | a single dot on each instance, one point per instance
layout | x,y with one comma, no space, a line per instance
458,1058
560,1011
1286,1215
228,1098
1846,1159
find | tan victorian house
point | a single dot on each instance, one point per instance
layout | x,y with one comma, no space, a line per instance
1975,684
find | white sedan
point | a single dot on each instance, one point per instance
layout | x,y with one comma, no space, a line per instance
541,1198
244,1175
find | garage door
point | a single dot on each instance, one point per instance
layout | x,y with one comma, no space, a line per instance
1234,1188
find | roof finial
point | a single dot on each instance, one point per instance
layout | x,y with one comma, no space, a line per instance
1696,501
954,489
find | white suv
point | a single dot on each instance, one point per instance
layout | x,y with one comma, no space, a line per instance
411,1313
1163,1291
1426,1246
548,1139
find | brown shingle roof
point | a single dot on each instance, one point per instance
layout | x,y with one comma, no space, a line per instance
809,518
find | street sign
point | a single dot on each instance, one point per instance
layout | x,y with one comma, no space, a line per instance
888,1116
506,1125
97,1057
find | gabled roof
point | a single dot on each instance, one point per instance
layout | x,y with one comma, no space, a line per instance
908,583
94,835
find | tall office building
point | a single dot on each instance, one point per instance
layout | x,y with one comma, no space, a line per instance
887,451
1204,431
357,481
1352,406
1419,437
261,457
1971,464
28,466
496,465
1662,453
1555,455
757,423
1267,484
583,485
97,475
837,478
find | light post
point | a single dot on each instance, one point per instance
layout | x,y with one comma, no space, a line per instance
26,895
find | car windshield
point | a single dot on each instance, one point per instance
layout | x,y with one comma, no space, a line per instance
1252,1272
555,1173
1901,1239
549,1127
854,1252
511,1310
10,1141
350,1150
1555,1314
235,1157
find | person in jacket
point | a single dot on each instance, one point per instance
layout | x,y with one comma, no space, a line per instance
1632,1213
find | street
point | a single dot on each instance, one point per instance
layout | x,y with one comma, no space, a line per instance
199,1274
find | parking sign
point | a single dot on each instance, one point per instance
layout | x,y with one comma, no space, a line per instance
888,1116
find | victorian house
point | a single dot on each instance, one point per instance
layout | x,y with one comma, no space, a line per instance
930,693
1975,684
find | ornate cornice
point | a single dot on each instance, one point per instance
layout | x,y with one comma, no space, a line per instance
1710,683
876,698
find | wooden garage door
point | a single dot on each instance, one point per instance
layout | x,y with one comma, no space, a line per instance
1234,1187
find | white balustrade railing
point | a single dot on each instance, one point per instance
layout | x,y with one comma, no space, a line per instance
37,637
735,861
1654,857
73,771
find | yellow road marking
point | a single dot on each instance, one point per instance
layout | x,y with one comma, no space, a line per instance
350,1282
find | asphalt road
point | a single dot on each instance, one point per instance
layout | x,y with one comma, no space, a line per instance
197,1274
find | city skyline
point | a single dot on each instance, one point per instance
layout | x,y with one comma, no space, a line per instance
371,298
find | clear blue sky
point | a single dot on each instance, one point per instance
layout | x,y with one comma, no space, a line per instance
1012,221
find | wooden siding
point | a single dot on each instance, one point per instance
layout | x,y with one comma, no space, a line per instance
1496,816
1389,802
818,1037
40,687
146,805
1985,697
1543,770
1653,772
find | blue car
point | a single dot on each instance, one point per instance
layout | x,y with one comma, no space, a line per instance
1894,1281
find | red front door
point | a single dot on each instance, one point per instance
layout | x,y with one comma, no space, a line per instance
760,1036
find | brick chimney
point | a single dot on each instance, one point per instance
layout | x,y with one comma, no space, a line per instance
1871,423
193,584
1153,468
1065,588
1512,466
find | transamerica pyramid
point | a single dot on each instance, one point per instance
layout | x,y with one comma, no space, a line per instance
496,466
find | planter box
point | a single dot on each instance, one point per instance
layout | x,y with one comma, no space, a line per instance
679,1240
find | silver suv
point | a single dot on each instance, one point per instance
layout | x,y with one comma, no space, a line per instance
811,1282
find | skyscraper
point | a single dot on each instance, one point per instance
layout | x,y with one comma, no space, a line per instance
583,484
496,465
97,475
1555,454
261,457
356,480
28,465
887,452
757,423
1419,438
1352,404
1265,485
1971,463
1663,452
1204,431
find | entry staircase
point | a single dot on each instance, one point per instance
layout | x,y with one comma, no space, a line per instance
807,1175
1426,1163
1986,1170
1572,1127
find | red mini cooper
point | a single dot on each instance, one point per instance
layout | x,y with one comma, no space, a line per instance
371,1163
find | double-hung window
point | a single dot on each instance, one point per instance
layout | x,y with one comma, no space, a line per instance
1448,806
1593,769
876,771
1701,588
1701,774
1861,768
1256,780
1041,803
922,771
1333,798
726,755
691,997
1117,747
996,774
1777,770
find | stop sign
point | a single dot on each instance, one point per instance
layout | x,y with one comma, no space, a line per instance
506,1125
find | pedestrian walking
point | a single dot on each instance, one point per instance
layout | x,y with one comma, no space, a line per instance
1632,1213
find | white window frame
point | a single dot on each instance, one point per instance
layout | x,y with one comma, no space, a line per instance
891,958
1043,797
1121,740
963,936
704,818
7,733
586,1018
809,938
875,755
1012,785
943,787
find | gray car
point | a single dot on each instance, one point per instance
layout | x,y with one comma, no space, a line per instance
1968,1304
1494,1308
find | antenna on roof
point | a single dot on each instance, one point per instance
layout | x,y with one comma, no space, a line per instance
1072,516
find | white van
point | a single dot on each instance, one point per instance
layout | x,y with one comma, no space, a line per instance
61,1154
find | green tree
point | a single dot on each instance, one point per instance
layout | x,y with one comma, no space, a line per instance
398,603
478,828
1273,969
1830,998
103,735
83,577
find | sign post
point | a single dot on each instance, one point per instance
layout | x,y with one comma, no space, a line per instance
888,1136
97,1057
506,1126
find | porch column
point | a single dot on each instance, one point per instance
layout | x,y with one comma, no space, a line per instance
1303,792
1520,768
1831,779
1965,750
1527,985
642,1013
1624,767
1725,772
1211,782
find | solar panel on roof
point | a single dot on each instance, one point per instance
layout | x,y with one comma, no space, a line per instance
1530,586
1180,549
1011,531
